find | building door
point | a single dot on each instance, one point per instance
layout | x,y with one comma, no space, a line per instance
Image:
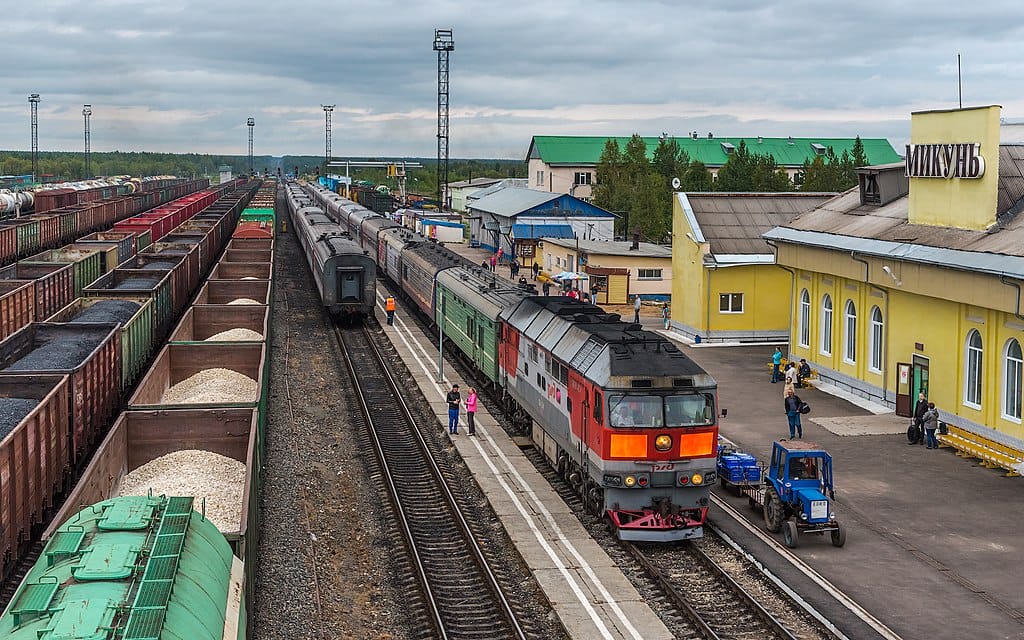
903,387
920,378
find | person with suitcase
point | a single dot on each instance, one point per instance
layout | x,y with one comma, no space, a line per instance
919,410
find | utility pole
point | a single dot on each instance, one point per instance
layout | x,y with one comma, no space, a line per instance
33,100
86,112
251,123
443,45
328,108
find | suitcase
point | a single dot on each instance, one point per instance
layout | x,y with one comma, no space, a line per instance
913,433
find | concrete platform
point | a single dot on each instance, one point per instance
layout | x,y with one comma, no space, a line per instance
591,596
935,544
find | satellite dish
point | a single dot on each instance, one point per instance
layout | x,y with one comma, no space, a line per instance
675,183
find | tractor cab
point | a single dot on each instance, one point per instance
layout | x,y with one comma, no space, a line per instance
800,494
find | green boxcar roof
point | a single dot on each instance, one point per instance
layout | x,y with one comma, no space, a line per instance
79,583
586,150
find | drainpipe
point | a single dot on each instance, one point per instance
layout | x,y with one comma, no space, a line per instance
885,319
792,286
1016,286
707,307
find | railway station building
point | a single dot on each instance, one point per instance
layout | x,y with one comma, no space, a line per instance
568,164
515,220
912,281
616,271
726,286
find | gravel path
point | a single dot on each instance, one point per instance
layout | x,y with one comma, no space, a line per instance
319,517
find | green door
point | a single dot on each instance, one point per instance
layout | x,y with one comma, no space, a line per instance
920,379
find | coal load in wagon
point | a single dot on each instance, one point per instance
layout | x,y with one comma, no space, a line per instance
137,283
13,411
64,352
163,265
107,312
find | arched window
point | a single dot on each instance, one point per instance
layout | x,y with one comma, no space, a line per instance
1013,365
805,319
850,346
826,325
876,339
972,371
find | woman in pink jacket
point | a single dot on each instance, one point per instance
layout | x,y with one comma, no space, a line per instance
471,410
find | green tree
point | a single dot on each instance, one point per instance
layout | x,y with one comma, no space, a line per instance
737,174
697,177
860,158
608,176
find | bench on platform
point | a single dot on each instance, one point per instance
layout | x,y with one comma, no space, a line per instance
807,382
991,453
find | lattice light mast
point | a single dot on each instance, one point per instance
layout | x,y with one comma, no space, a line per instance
443,45
251,123
86,112
33,100
328,108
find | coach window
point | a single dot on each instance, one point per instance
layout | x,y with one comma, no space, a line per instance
598,407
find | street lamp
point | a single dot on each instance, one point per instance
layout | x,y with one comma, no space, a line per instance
250,123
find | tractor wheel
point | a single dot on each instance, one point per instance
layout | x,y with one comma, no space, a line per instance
790,534
838,536
772,510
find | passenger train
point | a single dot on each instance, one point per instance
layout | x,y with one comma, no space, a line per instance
623,415
345,274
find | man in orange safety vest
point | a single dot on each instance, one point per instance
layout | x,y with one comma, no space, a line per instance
389,308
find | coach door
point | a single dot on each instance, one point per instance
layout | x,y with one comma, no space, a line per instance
350,285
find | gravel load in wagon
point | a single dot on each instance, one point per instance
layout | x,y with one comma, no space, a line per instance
63,352
136,283
212,386
209,476
107,312
13,411
240,334
244,301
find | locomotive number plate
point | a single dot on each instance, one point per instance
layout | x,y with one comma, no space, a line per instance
668,466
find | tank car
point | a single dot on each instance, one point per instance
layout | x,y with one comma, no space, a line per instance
624,415
131,567
345,275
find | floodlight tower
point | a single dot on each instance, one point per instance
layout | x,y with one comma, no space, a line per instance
328,108
33,100
443,45
86,112
251,123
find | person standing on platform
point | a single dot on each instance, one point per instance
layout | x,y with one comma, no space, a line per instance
547,287
792,374
389,308
471,411
454,399
665,315
636,309
920,409
776,363
494,262
792,404
931,423
536,270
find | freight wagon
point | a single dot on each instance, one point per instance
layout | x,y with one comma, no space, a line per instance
138,567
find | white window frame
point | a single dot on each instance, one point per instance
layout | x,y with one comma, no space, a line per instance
1013,376
804,319
653,274
876,340
826,325
850,332
974,360
540,178
732,299
582,178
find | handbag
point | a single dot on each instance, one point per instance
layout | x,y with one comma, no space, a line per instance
913,433
805,408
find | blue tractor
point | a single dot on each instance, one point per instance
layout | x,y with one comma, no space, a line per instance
799,495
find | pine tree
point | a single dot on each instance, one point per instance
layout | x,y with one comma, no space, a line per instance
697,178
608,176
860,159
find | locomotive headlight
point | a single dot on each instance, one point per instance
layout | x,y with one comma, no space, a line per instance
697,479
630,481
663,442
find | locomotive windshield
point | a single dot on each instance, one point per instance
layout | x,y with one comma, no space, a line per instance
684,410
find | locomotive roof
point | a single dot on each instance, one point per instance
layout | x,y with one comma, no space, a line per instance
598,343
483,289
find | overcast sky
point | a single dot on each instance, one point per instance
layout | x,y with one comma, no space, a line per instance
183,75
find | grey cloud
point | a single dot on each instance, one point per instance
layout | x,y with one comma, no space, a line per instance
182,76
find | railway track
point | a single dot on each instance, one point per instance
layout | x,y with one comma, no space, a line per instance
461,594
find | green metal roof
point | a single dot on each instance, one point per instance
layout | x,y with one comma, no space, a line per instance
87,579
586,150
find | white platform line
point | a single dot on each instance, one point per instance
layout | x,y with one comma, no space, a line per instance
539,505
